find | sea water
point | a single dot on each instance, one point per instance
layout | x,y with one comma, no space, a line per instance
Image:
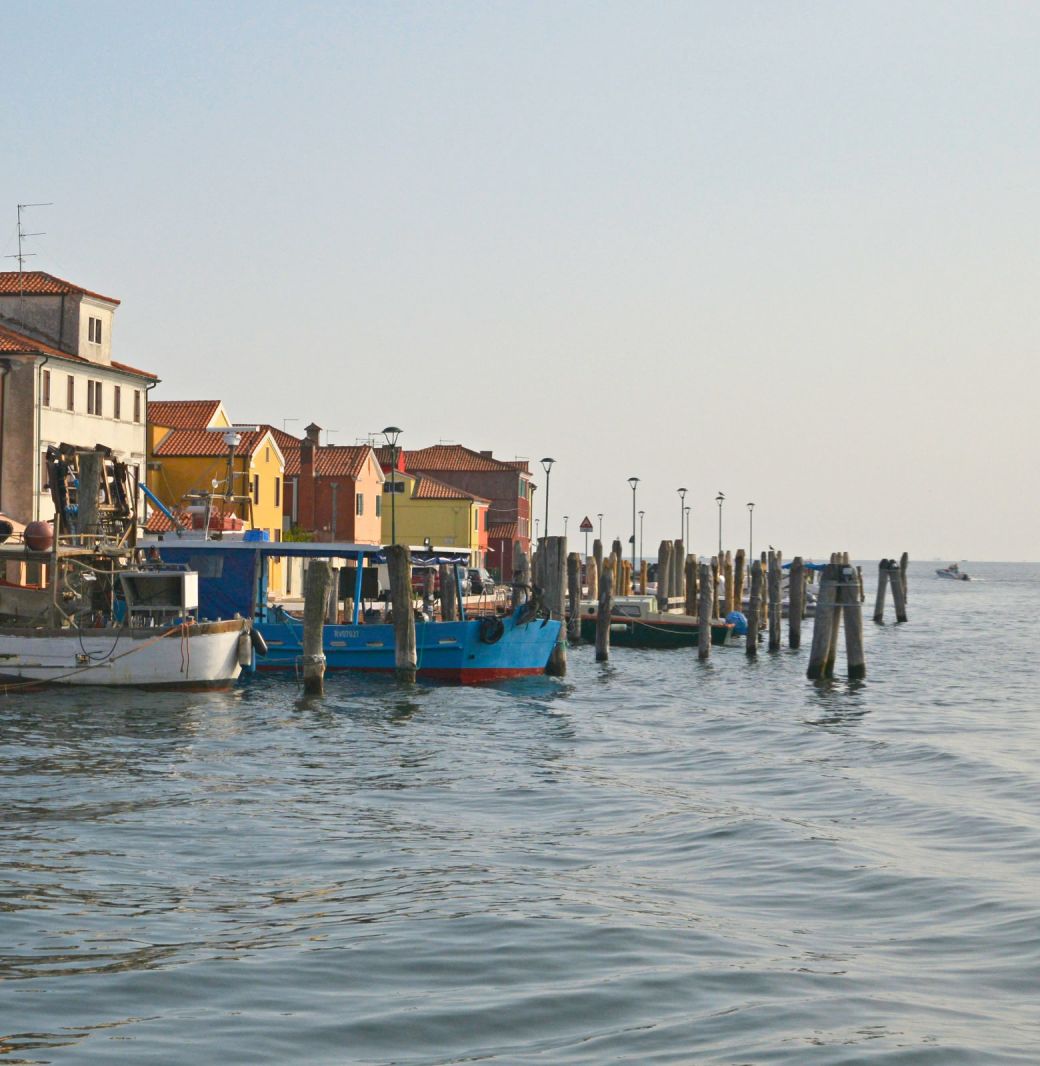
653,860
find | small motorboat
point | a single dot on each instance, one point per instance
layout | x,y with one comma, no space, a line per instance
953,571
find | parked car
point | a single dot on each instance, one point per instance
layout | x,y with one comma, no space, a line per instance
480,581
417,579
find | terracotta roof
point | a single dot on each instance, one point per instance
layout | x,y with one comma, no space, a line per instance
341,460
504,531
290,446
159,523
429,488
15,342
450,457
37,283
182,414
206,442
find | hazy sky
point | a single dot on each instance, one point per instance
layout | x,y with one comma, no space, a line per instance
784,250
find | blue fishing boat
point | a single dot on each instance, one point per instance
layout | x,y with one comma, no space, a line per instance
233,579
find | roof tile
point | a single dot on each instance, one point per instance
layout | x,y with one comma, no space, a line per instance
38,283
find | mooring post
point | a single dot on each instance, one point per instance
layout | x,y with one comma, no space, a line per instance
399,565
763,611
754,609
644,576
521,575
852,612
574,597
739,563
448,593
904,564
895,579
554,575
774,600
882,584
597,556
690,599
664,574
315,604
606,606
823,625
859,582
795,602
705,610
832,650
678,569
591,579
727,575
714,578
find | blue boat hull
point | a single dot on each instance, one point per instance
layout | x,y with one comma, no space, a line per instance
450,651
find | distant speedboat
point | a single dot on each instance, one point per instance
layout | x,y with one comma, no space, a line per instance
953,571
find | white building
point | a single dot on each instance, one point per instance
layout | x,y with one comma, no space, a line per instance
60,384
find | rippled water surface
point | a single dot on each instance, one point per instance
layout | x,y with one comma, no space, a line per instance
652,861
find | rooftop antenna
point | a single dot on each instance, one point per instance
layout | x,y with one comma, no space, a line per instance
23,255
328,436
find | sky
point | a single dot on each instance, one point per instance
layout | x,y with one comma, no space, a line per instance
782,251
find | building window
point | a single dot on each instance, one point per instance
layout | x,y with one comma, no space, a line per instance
278,492
393,486
45,473
379,507
70,393
476,520
94,330
117,402
137,405
94,398
359,504
45,389
256,488
267,453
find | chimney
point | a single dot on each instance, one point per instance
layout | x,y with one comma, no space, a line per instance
313,432
486,455
305,485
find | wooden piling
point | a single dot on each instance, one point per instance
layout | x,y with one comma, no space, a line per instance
739,564
795,602
315,603
904,563
574,597
521,575
823,625
690,604
664,573
554,577
89,478
895,579
775,606
449,599
852,614
591,578
678,569
716,610
859,582
832,649
399,565
763,611
754,609
597,555
882,584
727,578
606,606
644,576
705,612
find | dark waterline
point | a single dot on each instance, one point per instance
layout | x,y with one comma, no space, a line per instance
653,861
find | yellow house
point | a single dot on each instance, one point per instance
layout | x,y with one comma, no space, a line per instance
209,467
428,508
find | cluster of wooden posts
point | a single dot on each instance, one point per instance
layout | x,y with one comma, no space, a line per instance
707,590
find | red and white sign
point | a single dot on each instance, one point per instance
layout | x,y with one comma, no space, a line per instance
586,525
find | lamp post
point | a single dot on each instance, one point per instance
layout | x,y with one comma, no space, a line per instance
641,514
392,434
536,521
686,509
633,481
565,517
547,467
750,531
682,510
718,499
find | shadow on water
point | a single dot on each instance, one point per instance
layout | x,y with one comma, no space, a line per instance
840,701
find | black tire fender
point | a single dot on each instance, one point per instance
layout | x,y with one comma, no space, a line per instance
491,629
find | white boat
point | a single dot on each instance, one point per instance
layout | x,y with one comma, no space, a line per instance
953,571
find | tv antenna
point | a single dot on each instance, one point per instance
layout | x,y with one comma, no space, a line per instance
22,236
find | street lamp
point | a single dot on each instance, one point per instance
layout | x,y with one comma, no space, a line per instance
686,509
565,517
392,434
682,510
750,531
633,481
600,517
718,499
547,467
641,514
536,521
